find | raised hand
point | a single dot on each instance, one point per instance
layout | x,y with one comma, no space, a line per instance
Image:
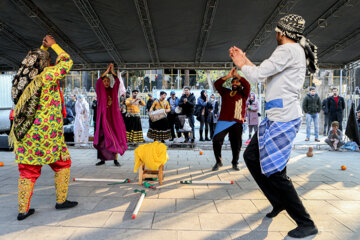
238,56
230,74
48,41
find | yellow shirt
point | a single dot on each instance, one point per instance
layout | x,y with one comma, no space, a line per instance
132,106
44,143
160,105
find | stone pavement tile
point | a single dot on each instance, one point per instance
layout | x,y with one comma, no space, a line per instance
208,235
258,222
329,223
235,206
317,195
80,191
346,194
85,203
117,204
236,178
9,201
248,185
255,235
246,194
314,185
42,201
313,177
176,221
8,188
123,234
158,205
211,193
346,206
176,193
41,217
234,186
319,236
85,218
344,185
108,191
320,207
195,205
346,235
47,232
263,206
351,221
223,222
124,220
10,232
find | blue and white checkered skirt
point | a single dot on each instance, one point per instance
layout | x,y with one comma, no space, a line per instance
275,144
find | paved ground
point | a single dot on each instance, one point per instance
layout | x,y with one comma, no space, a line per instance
175,211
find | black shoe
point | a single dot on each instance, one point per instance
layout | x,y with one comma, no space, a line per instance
235,167
162,141
192,140
302,232
186,140
220,164
216,167
207,139
201,140
274,212
117,163
22,216
67,204
100,163
171,139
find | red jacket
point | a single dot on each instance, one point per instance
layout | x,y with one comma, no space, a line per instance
233,108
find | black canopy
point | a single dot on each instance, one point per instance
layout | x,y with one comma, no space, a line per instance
147,34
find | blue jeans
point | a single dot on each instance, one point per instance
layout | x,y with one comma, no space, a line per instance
312,117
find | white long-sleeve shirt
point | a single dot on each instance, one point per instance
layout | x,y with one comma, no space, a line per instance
284,75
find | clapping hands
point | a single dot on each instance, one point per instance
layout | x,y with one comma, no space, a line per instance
239,57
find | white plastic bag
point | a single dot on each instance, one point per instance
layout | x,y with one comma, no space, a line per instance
186,127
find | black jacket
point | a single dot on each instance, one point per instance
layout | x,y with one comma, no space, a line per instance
149,104
71,104
187,108
325,106
311,104
336,114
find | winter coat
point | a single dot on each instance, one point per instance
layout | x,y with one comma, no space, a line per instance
336,113
176,104
325,106
311,104
188,107
252,113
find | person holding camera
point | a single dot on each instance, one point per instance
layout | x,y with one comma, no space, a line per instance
134,131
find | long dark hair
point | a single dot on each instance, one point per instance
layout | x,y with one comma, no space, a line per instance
202,95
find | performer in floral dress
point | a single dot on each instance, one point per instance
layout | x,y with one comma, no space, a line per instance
37,132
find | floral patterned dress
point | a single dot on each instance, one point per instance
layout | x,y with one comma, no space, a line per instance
44,143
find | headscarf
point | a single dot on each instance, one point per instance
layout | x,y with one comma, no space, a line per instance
293,26
202,95
26,91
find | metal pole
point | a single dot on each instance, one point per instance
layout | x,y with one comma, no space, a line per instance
260,103
341,74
